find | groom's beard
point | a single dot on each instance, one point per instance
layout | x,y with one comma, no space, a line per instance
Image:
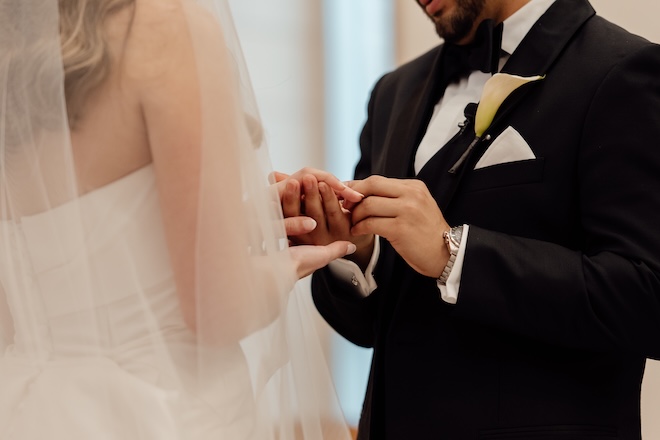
457,25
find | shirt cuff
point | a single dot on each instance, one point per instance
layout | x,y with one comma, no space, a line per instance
350,272
449,292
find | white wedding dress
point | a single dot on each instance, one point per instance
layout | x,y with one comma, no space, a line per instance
118,363
95,338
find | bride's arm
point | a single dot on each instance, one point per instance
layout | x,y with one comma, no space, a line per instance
161,65
198,183
175,52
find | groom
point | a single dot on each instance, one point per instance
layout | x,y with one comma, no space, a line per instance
514,293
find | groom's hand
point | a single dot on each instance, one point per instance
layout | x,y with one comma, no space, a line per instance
344,192
407,215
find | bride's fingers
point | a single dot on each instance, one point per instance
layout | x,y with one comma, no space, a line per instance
278,176
299,225
351,195
338,249
310,258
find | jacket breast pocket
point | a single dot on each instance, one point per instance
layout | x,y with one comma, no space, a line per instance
504,174
559,432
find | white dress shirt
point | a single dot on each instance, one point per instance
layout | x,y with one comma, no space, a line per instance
447,114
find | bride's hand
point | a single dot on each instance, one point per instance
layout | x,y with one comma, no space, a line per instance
308,258
299,225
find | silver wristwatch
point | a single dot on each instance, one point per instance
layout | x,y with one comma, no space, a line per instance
453,241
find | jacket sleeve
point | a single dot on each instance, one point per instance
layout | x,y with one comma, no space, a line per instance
605,294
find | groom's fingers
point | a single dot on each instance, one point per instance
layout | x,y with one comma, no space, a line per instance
375,206
290,198
383,186
337,185
382,226
313,202
280,181
333,213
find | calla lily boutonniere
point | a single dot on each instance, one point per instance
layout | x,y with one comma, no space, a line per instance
496,90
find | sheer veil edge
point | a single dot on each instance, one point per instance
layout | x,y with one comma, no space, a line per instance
91,332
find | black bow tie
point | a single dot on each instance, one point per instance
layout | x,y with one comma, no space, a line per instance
482,54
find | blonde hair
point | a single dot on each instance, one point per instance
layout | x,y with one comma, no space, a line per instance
85,53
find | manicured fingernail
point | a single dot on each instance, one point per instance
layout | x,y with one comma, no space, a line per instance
346,184
309,224
351,249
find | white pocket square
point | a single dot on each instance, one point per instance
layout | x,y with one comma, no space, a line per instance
507,147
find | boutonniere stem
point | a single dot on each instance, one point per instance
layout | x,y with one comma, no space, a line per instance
496,90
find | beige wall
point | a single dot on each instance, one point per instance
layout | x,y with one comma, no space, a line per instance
651,401
282,44
416,35
638,16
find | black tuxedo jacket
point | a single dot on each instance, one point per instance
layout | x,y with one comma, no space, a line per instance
559,302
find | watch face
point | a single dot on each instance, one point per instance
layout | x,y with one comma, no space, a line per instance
456,234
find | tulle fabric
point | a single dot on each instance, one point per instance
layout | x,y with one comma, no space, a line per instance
92,337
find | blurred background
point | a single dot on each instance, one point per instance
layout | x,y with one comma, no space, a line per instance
313,64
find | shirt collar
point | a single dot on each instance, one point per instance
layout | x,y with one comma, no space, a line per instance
520,23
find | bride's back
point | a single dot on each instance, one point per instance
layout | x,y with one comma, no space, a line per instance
109,135
148,109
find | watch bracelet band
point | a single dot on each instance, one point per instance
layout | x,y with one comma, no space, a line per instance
452,246
442,279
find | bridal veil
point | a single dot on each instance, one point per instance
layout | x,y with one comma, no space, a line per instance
81,302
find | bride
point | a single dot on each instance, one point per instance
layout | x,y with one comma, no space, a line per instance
145,274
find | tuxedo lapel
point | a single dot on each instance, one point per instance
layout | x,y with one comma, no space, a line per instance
535,56
548,37
541,47
434,173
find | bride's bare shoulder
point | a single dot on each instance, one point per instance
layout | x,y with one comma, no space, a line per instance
164,33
